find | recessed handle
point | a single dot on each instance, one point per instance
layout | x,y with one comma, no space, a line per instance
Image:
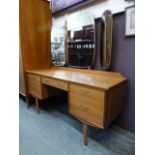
83,91
84,107
46,81
59,85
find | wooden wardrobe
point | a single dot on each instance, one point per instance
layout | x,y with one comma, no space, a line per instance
35,19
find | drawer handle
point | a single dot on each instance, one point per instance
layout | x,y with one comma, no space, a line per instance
34,77
46,81
84,91
84,107
60,85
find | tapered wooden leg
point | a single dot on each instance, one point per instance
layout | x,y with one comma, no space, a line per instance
85,131
28,101
37,105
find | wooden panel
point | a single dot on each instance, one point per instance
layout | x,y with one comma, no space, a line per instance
34,86
35,25
55,83
115,102
87,104
21,75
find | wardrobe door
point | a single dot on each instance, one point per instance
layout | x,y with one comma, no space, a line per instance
35,26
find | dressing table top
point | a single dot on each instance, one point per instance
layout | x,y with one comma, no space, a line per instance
98,79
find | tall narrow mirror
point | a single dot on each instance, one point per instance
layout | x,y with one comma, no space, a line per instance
81,44
106,39
58,46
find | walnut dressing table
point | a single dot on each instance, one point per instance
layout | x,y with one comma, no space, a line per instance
95,97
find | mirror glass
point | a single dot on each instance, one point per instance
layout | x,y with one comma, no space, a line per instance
58,46
81,46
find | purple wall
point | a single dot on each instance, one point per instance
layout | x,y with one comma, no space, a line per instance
123,61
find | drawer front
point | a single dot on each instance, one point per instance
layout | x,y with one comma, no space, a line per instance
34,85
34,78
55,83
87,104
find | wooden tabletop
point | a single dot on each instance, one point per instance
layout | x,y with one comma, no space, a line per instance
98,79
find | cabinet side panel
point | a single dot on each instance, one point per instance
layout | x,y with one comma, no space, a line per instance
115,102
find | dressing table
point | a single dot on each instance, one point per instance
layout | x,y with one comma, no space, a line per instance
94,97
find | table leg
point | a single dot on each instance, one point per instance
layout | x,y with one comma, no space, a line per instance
28,101
85,130
37,105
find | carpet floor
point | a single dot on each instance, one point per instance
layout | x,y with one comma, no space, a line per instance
53,132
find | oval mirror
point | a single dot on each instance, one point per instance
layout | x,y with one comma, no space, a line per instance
58,46
81,36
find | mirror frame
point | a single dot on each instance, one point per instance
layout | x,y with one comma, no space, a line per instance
106,39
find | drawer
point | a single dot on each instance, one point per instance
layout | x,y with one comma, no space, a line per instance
87,91
87,104
35,90
34,85
34,78
55,83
